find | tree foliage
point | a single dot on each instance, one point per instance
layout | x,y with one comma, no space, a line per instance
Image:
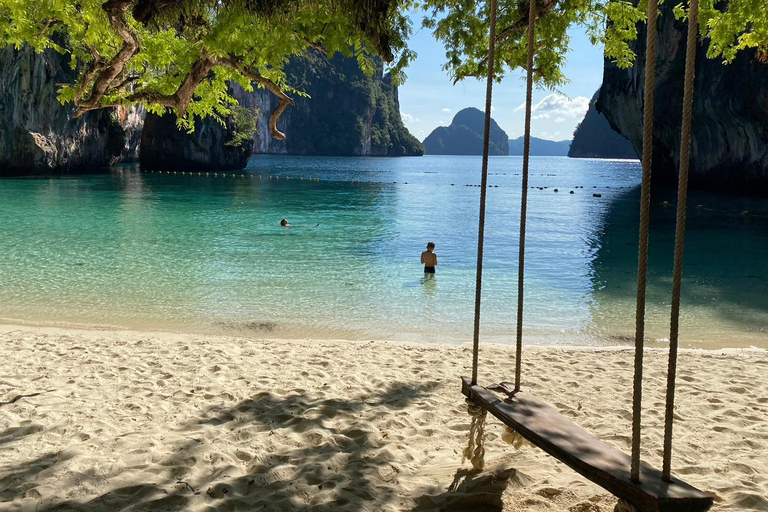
180,54
462,26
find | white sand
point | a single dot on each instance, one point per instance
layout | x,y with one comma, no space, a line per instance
105,421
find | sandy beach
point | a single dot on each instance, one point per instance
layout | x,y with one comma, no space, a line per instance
105,420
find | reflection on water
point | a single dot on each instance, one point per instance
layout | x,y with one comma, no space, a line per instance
724,280
207,254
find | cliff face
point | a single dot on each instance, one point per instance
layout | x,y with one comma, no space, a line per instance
347,112
164,146
38,134
730,132
464,136
594,138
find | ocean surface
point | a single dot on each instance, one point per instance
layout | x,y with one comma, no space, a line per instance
207,254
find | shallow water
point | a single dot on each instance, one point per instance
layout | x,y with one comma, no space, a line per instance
206,254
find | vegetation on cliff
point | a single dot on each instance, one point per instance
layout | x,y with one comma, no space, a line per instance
181,55
464,136
346,112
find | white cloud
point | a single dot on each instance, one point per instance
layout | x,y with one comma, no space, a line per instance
540,116
560,105
408,118
559,119
447,110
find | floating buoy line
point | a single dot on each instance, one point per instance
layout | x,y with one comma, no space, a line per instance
571,191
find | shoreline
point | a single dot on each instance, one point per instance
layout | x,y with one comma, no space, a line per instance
530,339
156,421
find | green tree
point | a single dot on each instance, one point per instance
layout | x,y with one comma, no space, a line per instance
462,26
180,54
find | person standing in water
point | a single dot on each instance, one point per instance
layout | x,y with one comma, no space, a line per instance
429,258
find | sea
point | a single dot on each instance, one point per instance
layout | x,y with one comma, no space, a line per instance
172,250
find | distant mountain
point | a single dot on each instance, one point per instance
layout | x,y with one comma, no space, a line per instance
594,138
540,147
464,136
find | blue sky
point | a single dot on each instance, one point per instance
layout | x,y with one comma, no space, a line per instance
429,99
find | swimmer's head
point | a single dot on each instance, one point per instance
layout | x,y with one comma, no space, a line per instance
430,245
284,222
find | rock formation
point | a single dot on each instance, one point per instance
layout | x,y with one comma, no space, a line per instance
539,147
594,138
464,136
164,146
730,131
38,134
347,113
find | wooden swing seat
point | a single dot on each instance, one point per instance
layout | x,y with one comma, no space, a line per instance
597,461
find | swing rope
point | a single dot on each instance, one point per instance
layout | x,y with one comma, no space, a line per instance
682,203
524,192
484,188
642,257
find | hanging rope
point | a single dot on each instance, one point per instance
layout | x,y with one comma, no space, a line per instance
524,194
475,450
642,253
682,203
484,185
624,506
513,438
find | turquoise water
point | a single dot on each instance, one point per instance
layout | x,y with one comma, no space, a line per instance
206,254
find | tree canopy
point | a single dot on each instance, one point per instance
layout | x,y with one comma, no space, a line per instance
180,54
462,26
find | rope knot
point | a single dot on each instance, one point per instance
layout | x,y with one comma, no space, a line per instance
475,451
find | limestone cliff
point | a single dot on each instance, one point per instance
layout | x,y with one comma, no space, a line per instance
594,138
464,136
730,131
347,113
38,134
164,146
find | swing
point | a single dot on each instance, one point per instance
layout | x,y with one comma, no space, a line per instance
636,482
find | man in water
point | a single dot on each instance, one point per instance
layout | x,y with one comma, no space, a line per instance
429,258
284,223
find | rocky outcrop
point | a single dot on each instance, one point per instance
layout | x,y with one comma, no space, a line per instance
730,132
347,113
38,134
165,146
594,138
464,136
263,102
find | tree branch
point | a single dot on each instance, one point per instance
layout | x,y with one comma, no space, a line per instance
316,46
520,26
115,10
271,87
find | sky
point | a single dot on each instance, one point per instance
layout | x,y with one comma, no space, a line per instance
429,99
